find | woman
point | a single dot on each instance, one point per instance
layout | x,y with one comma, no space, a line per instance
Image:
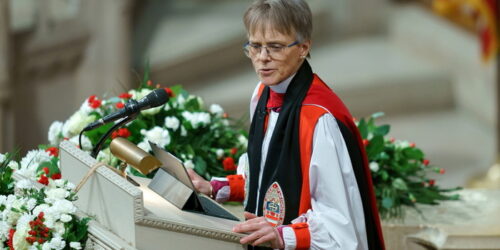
307,180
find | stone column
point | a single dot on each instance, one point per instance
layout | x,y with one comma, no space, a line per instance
4,75
106,68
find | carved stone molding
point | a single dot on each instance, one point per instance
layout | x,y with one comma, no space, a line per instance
53,45
187,229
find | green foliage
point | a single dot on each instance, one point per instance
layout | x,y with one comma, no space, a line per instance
399,171
76,230
6,180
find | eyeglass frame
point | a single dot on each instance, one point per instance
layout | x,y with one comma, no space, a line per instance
247,51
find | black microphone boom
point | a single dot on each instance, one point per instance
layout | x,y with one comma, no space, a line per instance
156,98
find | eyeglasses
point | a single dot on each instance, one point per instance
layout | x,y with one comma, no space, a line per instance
274,50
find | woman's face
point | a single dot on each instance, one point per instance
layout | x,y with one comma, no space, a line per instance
272,69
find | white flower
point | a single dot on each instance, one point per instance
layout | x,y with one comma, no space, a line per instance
54,194
197,119
374,166
4,230
22,228
59,227
85,107
167,106
55,133
46,246
157,135
217,110
31,204
74,125
65,218
2,158
219,152
13,165
402,144
31,161
75,245
86,143
144,145
152,111
242,140
57,242
24,184
64,207
180,101
41,208
189,164
172,122
137,95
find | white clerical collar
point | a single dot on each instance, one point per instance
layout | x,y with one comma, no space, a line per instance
282,86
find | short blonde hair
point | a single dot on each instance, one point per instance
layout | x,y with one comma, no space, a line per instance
285,16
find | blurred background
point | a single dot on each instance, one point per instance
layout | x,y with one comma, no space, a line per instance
420,64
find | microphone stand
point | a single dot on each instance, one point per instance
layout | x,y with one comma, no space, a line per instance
103,138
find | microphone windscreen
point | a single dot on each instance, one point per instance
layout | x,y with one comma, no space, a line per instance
160,97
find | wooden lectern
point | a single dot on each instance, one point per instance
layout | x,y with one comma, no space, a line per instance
134,217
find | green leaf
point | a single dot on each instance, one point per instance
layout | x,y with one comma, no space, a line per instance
95,135
382,130
363,129
413,153
375,147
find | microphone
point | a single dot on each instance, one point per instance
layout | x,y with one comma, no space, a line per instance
156,98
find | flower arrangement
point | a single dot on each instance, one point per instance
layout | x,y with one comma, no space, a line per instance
38,215
204,139
399,171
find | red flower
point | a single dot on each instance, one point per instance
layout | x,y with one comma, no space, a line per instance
95,104
56,176
442,171
122,132
125,96
53,151
392,140
169,92
225,115
120,105
234,151
426,162
43,180
432,182
366,142
149,83
10,242
412,145
46,170
228,164
91,99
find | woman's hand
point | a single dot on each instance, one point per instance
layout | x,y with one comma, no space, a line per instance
260,232
202,185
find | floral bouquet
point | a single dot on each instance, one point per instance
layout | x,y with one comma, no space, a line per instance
202,138
399,171
38,216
